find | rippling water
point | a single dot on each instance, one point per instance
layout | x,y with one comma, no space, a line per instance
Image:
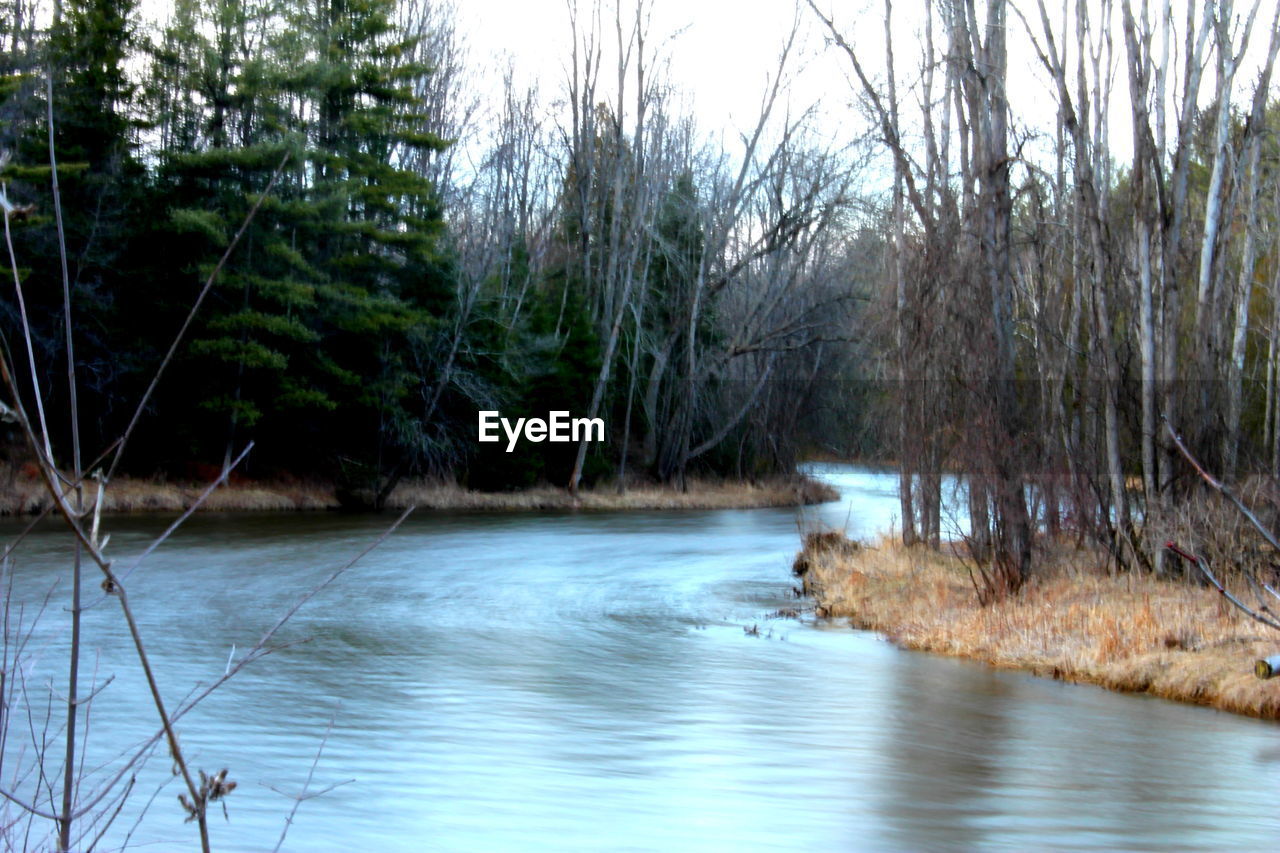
584,682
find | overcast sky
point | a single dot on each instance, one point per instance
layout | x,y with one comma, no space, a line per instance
723,51
722,54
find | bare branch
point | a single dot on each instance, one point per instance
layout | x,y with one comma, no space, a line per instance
306,793
1221,488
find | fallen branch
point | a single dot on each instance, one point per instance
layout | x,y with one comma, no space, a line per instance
1217,584
1221,488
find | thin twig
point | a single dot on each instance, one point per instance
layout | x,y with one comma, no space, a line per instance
172,528
25,806
195,505
333,576
306,793
124,798
129,836
69,779
26,334
191,316
259,650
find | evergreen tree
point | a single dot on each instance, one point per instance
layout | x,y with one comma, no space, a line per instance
309,341
102,188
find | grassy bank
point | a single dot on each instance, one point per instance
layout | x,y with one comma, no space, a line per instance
1072,622
701,494
24,495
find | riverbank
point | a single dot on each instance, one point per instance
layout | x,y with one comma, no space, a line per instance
23,495
1072,622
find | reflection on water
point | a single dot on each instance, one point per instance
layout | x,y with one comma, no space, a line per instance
584,682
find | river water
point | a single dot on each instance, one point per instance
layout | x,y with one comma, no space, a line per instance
588,682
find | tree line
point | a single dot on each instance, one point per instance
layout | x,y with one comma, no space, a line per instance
1065,302
415,253
1027,303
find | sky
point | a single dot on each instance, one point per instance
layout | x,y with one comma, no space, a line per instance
723,53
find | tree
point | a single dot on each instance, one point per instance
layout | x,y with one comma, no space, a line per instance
318,325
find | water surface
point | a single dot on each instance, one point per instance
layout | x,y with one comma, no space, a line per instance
584,682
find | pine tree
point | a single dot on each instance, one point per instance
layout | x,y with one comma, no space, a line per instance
310,339
102,187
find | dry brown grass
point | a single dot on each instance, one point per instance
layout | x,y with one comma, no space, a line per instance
21,493
700,495
1071,622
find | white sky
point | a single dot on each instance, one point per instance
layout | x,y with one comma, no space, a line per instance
723,52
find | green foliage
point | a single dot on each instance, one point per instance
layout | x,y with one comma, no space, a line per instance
339,334
206,223
103,191
342,267
543,371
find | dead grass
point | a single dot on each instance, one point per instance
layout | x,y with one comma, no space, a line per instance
700,495
21,493
26,496
1071,622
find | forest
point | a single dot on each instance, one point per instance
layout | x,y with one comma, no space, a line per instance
1024,256
605,259
386,248
1084,315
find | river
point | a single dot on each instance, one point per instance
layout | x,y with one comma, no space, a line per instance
610,681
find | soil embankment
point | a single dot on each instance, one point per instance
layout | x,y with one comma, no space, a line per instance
25,495
1073,622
